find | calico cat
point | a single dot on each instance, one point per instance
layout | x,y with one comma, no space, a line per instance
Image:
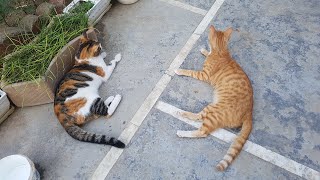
77,100
232,104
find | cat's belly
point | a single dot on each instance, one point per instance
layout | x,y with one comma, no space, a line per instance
85,110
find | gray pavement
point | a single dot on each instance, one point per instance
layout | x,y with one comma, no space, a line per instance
277,44
148,34
157,153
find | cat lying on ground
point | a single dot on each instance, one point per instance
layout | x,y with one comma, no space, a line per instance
77,100
233,95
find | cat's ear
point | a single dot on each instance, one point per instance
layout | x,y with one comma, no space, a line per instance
227,33
212,29
84,36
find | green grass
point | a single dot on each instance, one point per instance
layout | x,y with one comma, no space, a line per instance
34,58
5,8
82,7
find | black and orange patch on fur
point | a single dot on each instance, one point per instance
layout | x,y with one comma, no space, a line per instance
90,68
100,72
88,49
99,107
74,105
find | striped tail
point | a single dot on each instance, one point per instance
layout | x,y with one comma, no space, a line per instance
236,146
77,133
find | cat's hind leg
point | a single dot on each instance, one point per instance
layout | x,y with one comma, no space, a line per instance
112,106
190,115
192,134
210,124
109,100
105,108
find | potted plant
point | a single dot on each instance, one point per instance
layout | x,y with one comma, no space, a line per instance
97,8
31,73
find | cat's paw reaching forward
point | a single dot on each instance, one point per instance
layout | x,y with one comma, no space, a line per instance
103,54
204,52
179,72
117,58
113,104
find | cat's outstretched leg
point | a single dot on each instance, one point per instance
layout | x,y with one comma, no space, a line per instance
108,101
112,106
103,54
200,75
210,124
190,115
192,134
110,67
204,52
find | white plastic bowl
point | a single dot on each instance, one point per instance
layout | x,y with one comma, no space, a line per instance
17,167
127,1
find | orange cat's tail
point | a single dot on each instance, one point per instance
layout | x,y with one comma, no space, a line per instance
236,146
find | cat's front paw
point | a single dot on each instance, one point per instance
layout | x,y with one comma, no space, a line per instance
117,58
103,54
204,52
181,133
179,72
114,104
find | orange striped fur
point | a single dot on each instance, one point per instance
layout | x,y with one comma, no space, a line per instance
233,95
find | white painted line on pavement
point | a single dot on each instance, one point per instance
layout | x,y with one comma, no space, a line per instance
250,147
176,63
113,155
186,7
207,19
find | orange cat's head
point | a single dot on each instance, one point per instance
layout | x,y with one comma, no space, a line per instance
218,40
88,48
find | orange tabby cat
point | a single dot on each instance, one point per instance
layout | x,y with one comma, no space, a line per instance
233,96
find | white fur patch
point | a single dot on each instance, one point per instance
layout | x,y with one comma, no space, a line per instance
185,133
228,158
91,92
117,58
114,104
108,100
224,164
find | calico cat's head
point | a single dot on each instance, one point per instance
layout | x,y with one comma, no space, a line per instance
88,48
218,40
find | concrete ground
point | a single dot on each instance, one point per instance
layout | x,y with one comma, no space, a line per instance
276,43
